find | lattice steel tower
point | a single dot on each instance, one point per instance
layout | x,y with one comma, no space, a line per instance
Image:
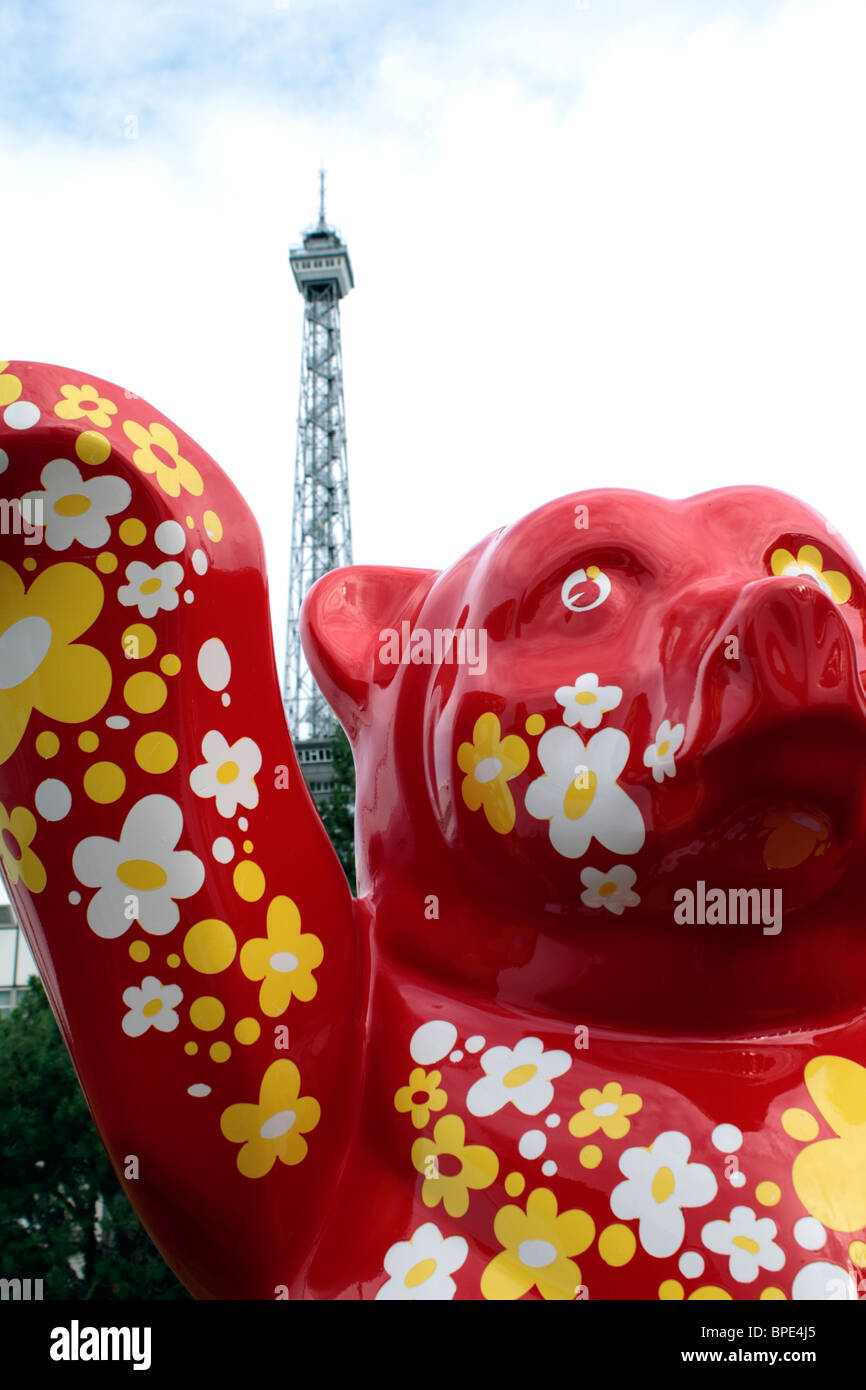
321,525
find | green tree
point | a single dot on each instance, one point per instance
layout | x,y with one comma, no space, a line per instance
338,812
64,1218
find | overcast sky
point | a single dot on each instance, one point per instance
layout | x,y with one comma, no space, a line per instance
595,242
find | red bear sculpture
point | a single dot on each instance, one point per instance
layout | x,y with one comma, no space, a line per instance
595,1025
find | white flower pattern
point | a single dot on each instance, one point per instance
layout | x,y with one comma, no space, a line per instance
151,589
520,1076
660,754
586,701
228,773
580,796
421,1267
612,890
74,508
747,1241
153,1005
660,1182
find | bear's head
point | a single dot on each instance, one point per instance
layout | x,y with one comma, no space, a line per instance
593,713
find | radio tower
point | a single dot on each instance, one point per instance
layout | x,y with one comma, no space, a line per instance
321,526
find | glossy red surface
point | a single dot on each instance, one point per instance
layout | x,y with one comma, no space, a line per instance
513,1067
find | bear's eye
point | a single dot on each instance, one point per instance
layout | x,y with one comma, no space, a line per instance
585,589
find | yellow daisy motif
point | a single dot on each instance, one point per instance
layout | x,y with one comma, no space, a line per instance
41,665
538,1244
421,1096
274,1128
810,561
490,763
284,960
606,1110
451,1167
19,861
157,451
85,402
830,1175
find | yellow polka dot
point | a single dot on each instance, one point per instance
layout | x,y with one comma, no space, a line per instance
535,724
138,641
170,664
145,692
249,881
210,946
592,572
88,742
799,1123
190,1048
92,447
104,782
29,563
10,389
106,563
190,523
709,1293
857,1252
772,1295
206,1013
173,960
47,744
514,1184
220,1051
139,950
213,525
132,531
590,1155
248,846
617,1245
156,752
768,1193
248,1030
670,1290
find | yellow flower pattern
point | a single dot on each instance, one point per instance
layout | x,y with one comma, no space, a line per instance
809,560
606,1110
16,834
538,1246
421,1096
85,402
830,1176
284,960
41,665
476,1166
490,762
157,451
274,1128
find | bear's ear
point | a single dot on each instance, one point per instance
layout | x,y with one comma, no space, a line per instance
343,619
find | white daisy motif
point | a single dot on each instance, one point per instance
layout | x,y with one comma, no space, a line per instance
586,701
140,875
421,1267
151,1006
748,1243
519,1076
74,508
580,796
611,890
661,1181
660,755
228,772
151,589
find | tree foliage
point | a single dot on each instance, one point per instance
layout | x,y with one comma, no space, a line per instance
338,812
64,1218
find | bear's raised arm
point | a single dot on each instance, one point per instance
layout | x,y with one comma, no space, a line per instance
190,919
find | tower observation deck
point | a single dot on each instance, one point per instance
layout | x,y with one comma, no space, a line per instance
321,523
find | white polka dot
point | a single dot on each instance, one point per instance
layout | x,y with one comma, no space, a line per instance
214,664
551,1120
532,1143
691,1264
188,595
54,799
226,698
737,1179
243,823
199,1089
455,1056
432,1041
822,1281
169,537
199,561
74,898
548,1167
117,721
809,1233
475,1043
727,1138
223,850
21,415
4,460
